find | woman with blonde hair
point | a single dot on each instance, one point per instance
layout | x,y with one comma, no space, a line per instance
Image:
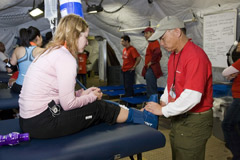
49,105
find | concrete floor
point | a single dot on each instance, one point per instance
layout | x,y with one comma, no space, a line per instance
215,149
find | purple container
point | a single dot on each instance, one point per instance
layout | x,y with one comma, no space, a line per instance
13,138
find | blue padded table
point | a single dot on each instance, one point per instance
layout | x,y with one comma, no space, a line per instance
112,93
120,87
4,77
140,90
8,99
107,88
139,85
103,142
160,89
135,99
121,92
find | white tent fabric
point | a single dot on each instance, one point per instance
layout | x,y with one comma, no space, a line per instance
130,14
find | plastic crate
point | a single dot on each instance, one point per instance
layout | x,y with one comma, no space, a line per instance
221,90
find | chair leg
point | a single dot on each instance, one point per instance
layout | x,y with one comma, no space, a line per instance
139,156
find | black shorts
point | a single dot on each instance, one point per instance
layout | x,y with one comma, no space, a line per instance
45,125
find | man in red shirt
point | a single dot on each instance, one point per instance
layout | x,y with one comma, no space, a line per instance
82,67
131,59
152,69
187,98
231,121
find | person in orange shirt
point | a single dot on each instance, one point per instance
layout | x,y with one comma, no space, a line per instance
82,67
131,59
152,69
231,121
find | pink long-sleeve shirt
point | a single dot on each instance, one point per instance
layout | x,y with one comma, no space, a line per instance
52,77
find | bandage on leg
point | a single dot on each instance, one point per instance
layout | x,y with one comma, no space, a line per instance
151,119
145,117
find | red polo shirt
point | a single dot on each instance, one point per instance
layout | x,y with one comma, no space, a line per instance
129,58
192,70
236,81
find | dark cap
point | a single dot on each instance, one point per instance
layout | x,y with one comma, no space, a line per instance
148,29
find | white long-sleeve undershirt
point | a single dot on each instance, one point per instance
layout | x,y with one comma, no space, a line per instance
228,71
185,102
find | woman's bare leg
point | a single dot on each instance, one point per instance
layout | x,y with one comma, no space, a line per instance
123,115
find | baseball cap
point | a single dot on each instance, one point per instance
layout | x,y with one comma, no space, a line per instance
169,22
148,29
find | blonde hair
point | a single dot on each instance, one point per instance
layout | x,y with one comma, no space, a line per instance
67,33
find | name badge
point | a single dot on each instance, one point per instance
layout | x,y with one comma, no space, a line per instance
172,92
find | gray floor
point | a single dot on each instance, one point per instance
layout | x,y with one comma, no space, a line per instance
215,149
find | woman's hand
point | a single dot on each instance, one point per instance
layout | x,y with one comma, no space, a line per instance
98,93
89,90
154,108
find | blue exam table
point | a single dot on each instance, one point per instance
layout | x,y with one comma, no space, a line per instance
100,142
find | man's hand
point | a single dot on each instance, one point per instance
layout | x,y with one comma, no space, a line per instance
149,64
162,103
132,69
234,75
154,108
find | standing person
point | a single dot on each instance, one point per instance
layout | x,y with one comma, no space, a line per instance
48,37
231,121
131,59
152,69
82,67
187,98
13,79
3,58
49,105
30,42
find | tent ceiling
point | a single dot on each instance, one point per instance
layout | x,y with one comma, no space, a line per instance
15,12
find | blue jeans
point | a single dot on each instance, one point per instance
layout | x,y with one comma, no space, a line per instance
231,128
128,81
151,81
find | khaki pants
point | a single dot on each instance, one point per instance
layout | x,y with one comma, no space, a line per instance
189,135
